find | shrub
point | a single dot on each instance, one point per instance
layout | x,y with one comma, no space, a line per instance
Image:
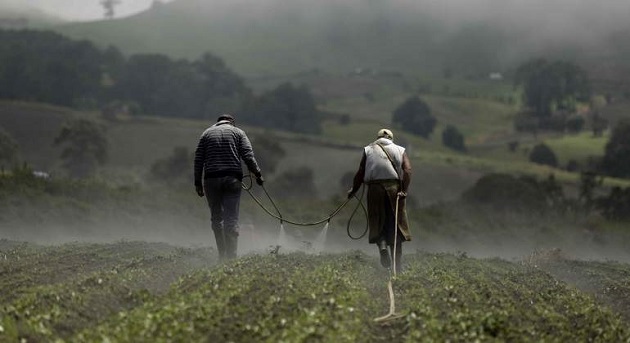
9,150
452,138
414,116
575,124
616,160
85,147
504,191
542,154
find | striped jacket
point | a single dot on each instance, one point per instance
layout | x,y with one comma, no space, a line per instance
220,151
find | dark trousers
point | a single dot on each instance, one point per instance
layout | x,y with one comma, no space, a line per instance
224,197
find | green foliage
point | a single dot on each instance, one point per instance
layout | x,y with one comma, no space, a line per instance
452,138
78,285
616,160
542,154
616,205
47,67
199,89
9,150
287,108
575,124
549,85
506,192
129,292
85,147
414,116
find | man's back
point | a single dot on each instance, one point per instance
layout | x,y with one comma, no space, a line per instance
220,150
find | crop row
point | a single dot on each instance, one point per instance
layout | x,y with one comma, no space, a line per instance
138,292
56,309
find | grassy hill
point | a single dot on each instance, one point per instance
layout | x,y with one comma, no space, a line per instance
280,38
141,292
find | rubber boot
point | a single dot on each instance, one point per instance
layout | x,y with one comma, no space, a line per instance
231,244
221,248
382,250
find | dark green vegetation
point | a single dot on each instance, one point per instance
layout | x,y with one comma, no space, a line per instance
45,67
414,115
550,86
137,292
145,112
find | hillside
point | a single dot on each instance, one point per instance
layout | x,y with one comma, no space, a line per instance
135,143
141,292
20,16
280,38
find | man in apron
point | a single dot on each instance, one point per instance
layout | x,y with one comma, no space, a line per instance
386,170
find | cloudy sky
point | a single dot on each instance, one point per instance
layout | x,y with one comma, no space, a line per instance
80,9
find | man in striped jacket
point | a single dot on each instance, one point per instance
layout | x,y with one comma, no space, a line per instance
218,158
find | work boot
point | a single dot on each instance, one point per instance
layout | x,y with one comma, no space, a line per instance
385,259
220,239
231,243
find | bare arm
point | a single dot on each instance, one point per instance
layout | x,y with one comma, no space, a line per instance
358,177
406,177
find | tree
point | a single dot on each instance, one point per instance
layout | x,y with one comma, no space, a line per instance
575,124
9,151
452,138
223,90
287,108
109,5
414,116
542,154
616,160
84,147
507,192
549,85
47,67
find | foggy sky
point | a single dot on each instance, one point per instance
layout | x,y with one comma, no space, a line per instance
558,15
77,9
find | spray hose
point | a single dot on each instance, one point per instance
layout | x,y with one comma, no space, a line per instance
279,216
391,315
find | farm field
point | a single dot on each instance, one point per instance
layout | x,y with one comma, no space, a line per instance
135,143
153,292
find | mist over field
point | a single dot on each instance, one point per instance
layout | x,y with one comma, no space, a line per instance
514,115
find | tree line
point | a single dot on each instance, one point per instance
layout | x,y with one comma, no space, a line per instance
43,66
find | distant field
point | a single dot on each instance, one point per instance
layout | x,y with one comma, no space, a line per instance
578,147
440,174
147,292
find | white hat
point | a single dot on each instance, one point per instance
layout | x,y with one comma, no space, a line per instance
385,133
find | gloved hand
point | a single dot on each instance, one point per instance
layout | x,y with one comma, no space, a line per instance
402,195
260,180
199,190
